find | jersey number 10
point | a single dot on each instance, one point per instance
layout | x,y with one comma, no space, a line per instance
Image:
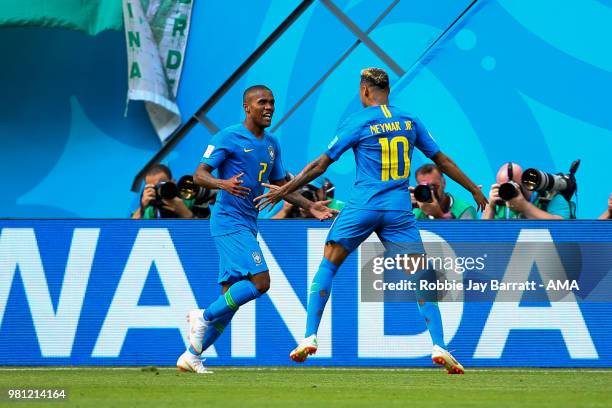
390,157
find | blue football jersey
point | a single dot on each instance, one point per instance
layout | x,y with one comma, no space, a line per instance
236,150
383,138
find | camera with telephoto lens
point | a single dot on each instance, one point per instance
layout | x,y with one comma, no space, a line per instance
543,182
507,191
309,192
164,190
510,189
189,190
425,193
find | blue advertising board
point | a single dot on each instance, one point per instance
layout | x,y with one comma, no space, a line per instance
116,292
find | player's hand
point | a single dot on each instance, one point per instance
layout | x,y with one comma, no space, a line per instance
321,211
177,206
234,186
270,198
148,195
481,200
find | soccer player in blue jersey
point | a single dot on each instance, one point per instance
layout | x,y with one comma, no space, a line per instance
245,156
382,138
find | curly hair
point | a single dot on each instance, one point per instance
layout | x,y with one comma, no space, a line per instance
375,77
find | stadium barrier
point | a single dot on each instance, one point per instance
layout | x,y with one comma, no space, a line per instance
115,292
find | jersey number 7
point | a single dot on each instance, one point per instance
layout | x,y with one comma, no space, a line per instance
264,167
390,157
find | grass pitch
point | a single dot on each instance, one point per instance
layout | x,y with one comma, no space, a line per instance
315,387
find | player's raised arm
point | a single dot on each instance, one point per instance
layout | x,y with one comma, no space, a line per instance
318,209
312,170
203,177
448,167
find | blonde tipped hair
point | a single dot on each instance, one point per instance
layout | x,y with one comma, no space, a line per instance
375,77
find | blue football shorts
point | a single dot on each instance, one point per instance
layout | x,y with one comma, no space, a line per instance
239,256
396,229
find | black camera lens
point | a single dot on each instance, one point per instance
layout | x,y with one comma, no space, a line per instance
309,194
509,190
423,194
166,190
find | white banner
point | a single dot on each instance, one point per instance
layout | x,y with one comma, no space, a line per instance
156,34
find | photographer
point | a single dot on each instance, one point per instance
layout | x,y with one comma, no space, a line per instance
607,215
433,201
320,189
520,202
152,203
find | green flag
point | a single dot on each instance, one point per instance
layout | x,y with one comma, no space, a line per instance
156,34
90,16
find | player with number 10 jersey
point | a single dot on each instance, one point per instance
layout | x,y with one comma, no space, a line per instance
383,143
382,138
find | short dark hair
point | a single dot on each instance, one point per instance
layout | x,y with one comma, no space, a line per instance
427,169
159,168
375,77
250,89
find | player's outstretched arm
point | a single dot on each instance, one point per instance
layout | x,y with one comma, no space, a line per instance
318,209
233,185
312,170
448,167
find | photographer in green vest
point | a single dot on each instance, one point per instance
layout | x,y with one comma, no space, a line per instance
510,199
436,203
153,205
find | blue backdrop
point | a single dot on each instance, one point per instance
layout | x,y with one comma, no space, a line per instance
522,81
90,292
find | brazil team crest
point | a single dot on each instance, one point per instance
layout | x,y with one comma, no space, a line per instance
271,153
256,257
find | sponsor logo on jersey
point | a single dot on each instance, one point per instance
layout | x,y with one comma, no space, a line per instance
248,150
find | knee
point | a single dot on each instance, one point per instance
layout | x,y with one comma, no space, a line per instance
262,283
335,253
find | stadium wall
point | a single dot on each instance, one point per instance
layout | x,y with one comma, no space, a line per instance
523,81
115,292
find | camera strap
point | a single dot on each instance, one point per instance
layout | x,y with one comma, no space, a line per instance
545,201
